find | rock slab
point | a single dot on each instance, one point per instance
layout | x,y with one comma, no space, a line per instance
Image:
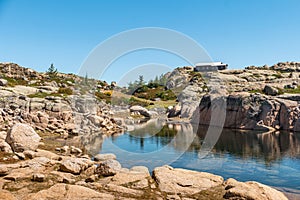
182,181
62,191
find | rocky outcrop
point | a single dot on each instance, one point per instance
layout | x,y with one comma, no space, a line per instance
274,80
13,70
251,112
178,78
281,66
52,104
65,116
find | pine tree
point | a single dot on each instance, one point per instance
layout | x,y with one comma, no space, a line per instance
141,81
52,71
162,80
86,79
156,80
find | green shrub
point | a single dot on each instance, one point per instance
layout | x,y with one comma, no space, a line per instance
256,91
293,91
42,95
133,101
279,75
101,96
66,91
280,91
15,81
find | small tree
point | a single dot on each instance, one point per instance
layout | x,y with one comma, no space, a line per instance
52,71
86,79
162,80
156,80
141,81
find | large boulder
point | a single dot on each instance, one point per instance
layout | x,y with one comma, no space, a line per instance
184,181
74,165
251,190
143,111
22,137
108,168
174,111
269,90
3,82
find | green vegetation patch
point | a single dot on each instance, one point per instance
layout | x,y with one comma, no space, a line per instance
149,93
62,92
15,81
278,75
292,91
65,91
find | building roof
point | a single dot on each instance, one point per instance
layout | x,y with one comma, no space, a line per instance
210,64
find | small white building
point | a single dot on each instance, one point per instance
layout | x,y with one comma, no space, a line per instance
212,66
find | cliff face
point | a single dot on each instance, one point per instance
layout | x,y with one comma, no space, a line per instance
252,111
253,97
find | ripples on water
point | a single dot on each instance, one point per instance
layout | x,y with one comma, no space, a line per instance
270,158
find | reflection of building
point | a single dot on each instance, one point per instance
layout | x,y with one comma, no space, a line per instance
212,66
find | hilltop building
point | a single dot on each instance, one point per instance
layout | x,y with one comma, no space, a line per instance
212,66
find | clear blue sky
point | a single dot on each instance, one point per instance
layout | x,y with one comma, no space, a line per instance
36,33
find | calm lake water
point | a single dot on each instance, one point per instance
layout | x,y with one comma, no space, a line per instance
270,158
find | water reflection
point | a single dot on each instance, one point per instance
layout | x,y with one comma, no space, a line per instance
246,144
271,158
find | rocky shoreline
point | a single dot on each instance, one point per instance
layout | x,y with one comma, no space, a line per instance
66,174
